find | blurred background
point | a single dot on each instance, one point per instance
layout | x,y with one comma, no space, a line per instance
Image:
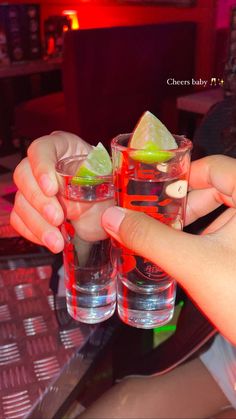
31,52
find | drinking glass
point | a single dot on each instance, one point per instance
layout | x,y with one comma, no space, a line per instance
145,293
89,275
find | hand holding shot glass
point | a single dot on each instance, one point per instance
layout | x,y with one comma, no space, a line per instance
151,169
150,174
89,275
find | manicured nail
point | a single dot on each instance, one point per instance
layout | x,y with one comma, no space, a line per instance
112,218
51,213
53,241
46,184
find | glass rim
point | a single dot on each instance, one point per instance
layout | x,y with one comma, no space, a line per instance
62,172
186,146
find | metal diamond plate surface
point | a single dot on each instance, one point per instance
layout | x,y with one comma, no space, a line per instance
44,353
42,350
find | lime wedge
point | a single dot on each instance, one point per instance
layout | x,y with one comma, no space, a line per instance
152,140
151,154
98,163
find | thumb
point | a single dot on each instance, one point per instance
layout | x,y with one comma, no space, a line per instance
152,239
198,263
42,154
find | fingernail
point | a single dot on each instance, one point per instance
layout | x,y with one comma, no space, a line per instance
46,183
53,241
50,213
112,218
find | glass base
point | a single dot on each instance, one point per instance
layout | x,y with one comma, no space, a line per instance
91,315
145,307
145,319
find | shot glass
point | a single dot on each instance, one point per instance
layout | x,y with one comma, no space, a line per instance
89,274
145,293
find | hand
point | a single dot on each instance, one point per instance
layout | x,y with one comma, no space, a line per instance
204,265
37,213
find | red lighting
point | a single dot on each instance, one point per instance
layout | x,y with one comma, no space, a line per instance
72,14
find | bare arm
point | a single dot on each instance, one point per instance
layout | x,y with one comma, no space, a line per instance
204,265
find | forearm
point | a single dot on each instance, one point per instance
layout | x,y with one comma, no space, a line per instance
208,274
205,266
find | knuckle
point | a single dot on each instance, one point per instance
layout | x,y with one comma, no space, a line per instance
17,199
19,172
12,219
21,201
19,204
17,195
58,133
32,149
34,197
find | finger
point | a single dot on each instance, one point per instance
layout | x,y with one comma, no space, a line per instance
203,265
48,207
203,201
176,252
140,233
44,152
89,226
17,223
50,236
216,171
183,257
221,221
94,210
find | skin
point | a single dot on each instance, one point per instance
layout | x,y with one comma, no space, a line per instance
37,215
172,395
204,265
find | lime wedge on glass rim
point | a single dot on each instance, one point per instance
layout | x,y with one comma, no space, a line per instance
151,141
97,163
